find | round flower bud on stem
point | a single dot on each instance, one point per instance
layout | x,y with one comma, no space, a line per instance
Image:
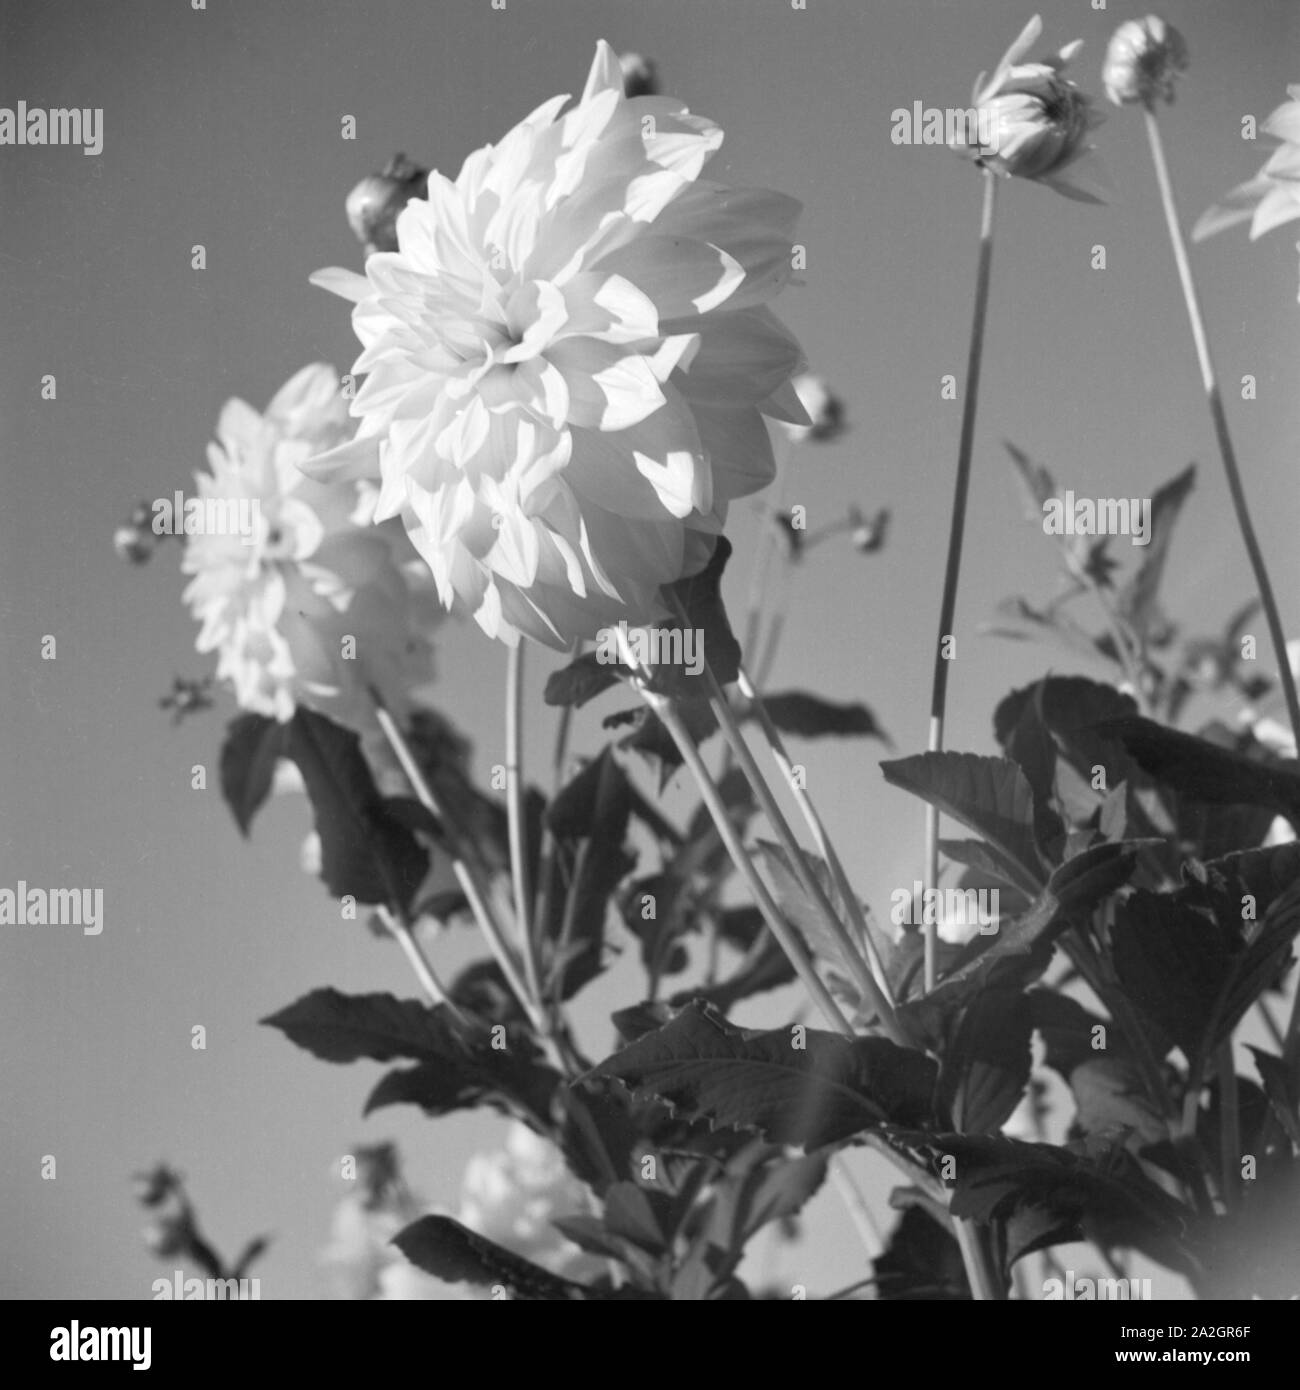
373,205
640,76
1143,61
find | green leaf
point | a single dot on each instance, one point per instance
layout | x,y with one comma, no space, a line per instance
452,1252
1202,770
339,1027
987,795
826,1091
581,680
252,747
366,850
808,716
1138,601
1282,1086
987,1062
1042,1195
700,600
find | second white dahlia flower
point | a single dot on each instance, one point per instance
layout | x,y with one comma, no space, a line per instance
313,604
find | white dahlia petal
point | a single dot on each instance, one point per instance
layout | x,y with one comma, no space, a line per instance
569,358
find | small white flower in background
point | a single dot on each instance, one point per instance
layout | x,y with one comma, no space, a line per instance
1272,197
1143,61
514,1195
510,1196
824,408
1037,121
279,605
570,360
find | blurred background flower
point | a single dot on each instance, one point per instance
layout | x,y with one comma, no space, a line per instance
316,605
1143,61
1272,197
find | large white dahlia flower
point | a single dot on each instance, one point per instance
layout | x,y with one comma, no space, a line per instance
314,603
569,358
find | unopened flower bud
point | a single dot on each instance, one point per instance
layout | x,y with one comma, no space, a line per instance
640,76
133,544
169,1235
867,533
373,205
1143,61
825,409
1033,122
154,1187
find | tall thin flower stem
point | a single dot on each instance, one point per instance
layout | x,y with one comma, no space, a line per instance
785,936
475,891
849,952
814,822
515,816
948,604
1214,400
402,933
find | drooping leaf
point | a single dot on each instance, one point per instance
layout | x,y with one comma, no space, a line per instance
366,850
584,678
251,749
1200,769
809,716
699,600
987,1062
921,1263
826,1090
449,1251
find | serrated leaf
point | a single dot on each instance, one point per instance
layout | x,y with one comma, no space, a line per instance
809,716
366,851
449,1251
824,1092
252,747
988,795
1202,770
699,598
339,1027
1138,601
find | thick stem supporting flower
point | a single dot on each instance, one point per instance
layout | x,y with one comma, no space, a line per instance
948,603
785,936
515,817
1214,400
476,893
